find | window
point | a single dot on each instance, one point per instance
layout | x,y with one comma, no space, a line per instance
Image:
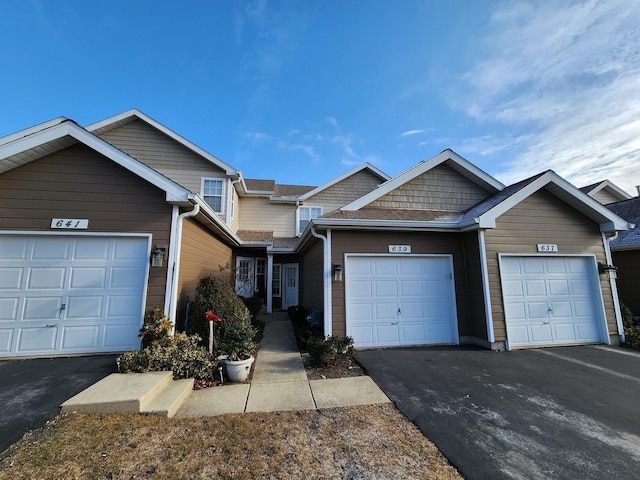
275,280
212,193
305,215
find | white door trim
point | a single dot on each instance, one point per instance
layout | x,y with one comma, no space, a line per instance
595,280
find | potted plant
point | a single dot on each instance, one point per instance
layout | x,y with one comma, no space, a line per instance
156,326
238,346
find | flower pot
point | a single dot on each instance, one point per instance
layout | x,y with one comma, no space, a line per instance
238,370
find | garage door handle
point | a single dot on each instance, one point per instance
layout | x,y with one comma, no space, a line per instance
394,323
50,325
546,323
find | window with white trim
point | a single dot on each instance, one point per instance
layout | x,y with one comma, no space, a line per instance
305,215
276,280
212,189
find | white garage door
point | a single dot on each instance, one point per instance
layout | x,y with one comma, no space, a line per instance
551,300
67,295
406,300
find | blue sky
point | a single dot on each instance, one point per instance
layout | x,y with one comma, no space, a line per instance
301,91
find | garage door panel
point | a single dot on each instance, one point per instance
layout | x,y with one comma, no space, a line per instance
126,277
84,307
361,289
37,340
419,294
571,300
135,251
84,277
93,249
559,287
122,306
513,288
42,308
386,288
536,288
9,309
11,278
6,339
50,248
12,248
79,337
46,278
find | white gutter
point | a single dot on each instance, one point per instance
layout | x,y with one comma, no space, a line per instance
175,268
327,297
614,288
485,287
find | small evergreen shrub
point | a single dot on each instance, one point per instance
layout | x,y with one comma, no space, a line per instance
181,354
631,328
238,340
330,351
219,297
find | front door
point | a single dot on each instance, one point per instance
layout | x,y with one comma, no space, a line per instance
244,276
290,287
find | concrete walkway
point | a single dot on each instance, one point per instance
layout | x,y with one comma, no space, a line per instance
279,383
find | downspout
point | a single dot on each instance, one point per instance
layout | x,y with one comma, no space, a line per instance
327,297
485,287
175,268
614,288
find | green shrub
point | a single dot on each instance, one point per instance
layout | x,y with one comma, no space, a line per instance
237,340
330,351
180,354
253,304
219,297
631,328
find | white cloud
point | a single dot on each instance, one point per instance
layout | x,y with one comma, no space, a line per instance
564,78
411,132
257,137
308,150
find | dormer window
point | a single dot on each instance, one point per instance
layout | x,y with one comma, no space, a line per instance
212,189
305,215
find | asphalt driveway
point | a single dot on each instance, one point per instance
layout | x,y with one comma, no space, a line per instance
571,412
31,391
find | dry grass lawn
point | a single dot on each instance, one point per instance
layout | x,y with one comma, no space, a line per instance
372,442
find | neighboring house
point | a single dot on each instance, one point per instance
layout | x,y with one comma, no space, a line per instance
605,192
625,249
102,222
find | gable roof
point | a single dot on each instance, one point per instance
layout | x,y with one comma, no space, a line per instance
607,185
50,137
486,213
630,211
364,166
135,114
455,161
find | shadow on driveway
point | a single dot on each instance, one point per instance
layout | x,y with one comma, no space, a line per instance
570,412
32,390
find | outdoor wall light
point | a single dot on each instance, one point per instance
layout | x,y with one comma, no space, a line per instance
157,256
608,269
336,270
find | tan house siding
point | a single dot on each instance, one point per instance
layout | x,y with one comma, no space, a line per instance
79,183
261,215
542,218
477,315
201,255
346,191
163,154
378,242
628,263
311,275
605,197
441,188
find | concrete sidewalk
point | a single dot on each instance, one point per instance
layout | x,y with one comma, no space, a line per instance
279,383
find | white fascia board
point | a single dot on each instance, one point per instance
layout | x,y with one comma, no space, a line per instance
31,130
621,194
344,176
134,112
174,192
215,218
419,169
488,219
406,225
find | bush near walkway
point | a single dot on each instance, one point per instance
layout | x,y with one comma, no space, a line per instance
631,328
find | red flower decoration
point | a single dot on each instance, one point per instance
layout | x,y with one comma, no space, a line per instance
212,317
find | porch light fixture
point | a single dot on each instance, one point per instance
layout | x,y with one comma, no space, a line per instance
608,269
336,270
157,256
